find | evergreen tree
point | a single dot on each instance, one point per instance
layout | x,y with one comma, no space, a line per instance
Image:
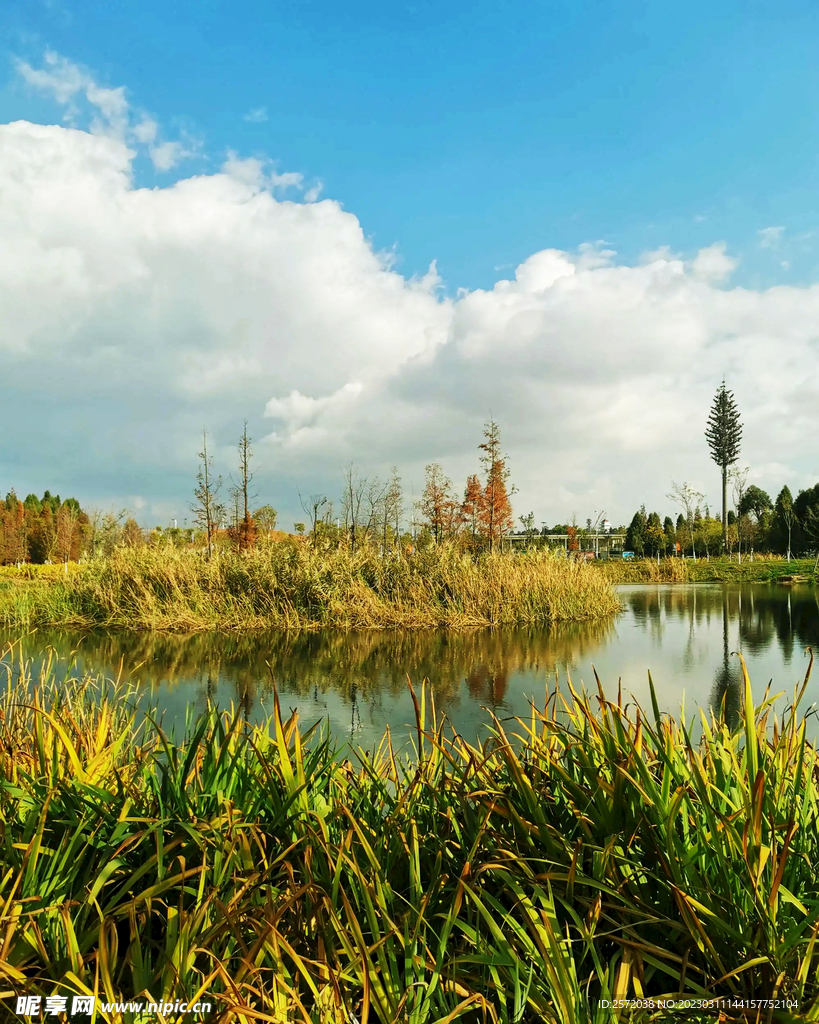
785,516
636,533
803,503
724,433
670,534
655,537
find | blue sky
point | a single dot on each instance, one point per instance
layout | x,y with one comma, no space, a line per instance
478,134
215,212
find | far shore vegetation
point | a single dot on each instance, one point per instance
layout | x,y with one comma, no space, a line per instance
594,852
296,586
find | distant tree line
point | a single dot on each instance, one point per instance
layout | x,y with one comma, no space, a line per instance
785,526
40,530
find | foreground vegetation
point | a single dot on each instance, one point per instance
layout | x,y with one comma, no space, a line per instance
592,852
716,570
298,586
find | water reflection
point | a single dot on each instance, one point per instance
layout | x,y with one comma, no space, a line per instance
358,681
726,702
353,665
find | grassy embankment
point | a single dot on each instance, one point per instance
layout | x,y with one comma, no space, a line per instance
600,855
297,587
717,570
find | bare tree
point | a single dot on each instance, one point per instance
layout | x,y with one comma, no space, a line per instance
352,498
374,500
235,493
208,511
312,506
247,529
688,499
393,507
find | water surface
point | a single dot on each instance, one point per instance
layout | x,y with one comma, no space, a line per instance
357,682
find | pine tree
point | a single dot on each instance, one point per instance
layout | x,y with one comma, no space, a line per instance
724,433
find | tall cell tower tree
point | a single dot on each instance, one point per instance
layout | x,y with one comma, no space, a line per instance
724,433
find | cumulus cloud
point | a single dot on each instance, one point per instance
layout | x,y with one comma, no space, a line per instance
133,316
713,263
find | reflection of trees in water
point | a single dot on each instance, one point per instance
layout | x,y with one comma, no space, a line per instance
764,613
760,614
359,667
726,701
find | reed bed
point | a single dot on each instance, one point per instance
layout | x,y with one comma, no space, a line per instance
592,852
764,569
295,586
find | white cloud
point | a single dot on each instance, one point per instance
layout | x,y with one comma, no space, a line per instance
110,112
258,173
166,155
769,238
713,263
256,115
134,316
662,253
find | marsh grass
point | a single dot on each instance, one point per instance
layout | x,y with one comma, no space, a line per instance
764,569
592,851
294,586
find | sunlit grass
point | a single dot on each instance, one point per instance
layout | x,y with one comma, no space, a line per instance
593,851
763,569
294,586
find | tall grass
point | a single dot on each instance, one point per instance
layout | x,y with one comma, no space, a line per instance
297,587
764,569
592,852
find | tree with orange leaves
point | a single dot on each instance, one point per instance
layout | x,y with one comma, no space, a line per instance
471,505
437,504
495,515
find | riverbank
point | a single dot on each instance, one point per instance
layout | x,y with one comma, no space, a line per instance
597,856
296,587
715,570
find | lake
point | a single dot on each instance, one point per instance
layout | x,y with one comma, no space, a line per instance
357,682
